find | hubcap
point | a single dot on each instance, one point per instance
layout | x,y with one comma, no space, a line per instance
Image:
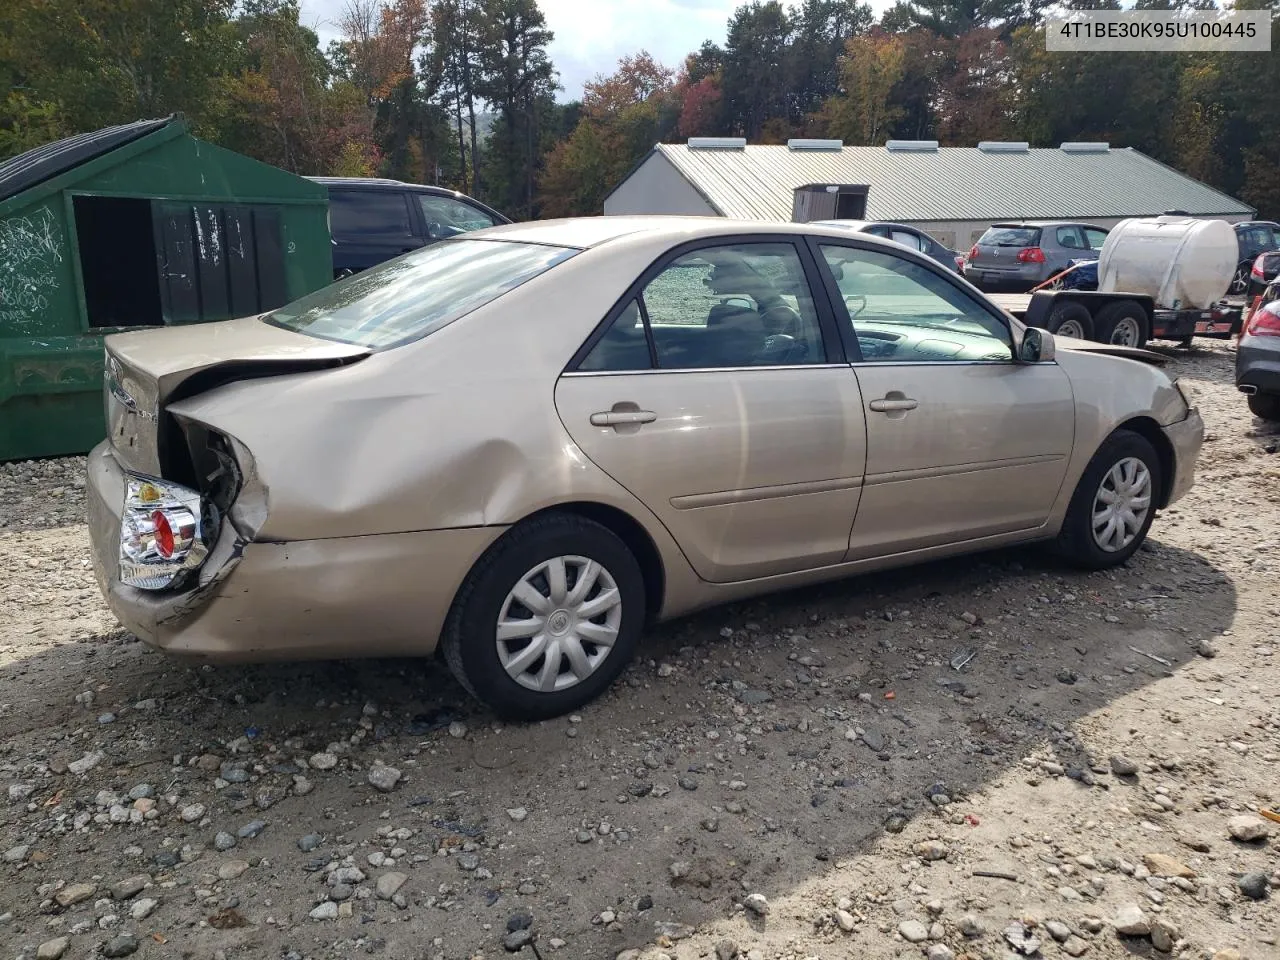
1071,328
1121,505
558,624
1126,332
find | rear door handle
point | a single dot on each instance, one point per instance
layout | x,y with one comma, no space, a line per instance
613,418
888,406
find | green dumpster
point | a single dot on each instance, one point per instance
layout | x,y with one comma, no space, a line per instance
135,226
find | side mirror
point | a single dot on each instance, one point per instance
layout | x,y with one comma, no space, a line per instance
1036,346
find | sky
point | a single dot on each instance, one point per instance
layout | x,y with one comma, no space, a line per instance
591,35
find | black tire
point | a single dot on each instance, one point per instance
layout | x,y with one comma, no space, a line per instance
1265,405
1073,316
1076,541
1117,319
469,641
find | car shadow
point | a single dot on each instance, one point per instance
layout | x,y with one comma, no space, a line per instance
748,748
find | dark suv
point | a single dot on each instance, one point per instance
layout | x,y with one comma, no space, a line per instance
1254,237
376,220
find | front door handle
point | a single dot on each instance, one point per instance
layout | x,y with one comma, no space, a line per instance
891,404
614,418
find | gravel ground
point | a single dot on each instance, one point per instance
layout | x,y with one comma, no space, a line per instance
802,777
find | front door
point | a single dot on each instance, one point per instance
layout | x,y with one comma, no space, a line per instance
962,442
711,397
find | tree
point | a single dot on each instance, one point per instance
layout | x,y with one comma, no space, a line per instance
754,82
454,64
869,71
820,31
517,79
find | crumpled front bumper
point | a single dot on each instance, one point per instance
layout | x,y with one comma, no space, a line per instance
384,595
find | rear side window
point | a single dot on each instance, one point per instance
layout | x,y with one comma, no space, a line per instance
369,213
1011,237
407,298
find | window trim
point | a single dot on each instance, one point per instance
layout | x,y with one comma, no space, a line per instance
832,341
848,331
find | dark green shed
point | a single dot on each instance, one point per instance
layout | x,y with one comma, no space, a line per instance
140,225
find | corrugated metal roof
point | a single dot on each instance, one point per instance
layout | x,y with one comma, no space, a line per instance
954,183
42,163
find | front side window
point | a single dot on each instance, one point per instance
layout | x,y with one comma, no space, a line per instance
409,297
1096,238
447,217
907,239
903,312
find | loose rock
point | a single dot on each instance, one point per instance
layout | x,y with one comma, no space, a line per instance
384,778
1248,828
913,931
758,904
53,949
1130,921
121,946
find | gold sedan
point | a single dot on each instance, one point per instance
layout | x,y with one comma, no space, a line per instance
521,446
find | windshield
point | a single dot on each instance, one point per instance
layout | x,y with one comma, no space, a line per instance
409,297
1011,237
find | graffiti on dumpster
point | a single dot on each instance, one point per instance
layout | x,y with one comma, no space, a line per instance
30,252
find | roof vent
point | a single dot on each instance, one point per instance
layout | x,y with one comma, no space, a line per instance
912,146
1085,147
1004,146
802,144
717,143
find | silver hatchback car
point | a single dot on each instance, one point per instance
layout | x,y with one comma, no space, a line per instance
1026,253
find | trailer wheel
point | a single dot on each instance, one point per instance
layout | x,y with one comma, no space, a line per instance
1068,319
1122,323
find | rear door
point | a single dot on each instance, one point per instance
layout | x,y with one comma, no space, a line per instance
962,443
369,226
716,393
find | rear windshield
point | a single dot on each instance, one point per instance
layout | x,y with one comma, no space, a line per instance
407,298
1011,237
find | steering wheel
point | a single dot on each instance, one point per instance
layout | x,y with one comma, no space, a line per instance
781,348
849,304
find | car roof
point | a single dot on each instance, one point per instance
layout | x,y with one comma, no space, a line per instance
382,183
586,232
1047,223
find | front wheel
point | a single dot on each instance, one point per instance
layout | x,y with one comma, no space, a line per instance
547,619
1265,405
1240,281
1070,319
1114,503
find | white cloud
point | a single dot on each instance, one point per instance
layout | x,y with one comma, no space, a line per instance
592,35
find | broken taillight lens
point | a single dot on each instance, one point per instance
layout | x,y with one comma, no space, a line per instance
160,533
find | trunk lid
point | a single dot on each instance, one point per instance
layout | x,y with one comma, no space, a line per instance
998,247
146,370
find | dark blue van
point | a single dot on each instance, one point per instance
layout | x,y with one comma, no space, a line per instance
373,220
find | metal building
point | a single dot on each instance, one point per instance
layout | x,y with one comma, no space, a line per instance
140,225
953,193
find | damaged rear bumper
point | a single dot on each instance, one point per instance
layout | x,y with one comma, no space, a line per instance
383,595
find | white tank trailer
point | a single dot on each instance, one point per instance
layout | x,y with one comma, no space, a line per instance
1181,263
1158,278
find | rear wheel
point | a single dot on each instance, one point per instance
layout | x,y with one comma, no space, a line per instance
1114,503
1069,319
547,619
1123,324
1265,405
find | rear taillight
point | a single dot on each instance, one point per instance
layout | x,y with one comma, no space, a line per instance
1259,271
1265,322
1031,255
160,533
973,252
